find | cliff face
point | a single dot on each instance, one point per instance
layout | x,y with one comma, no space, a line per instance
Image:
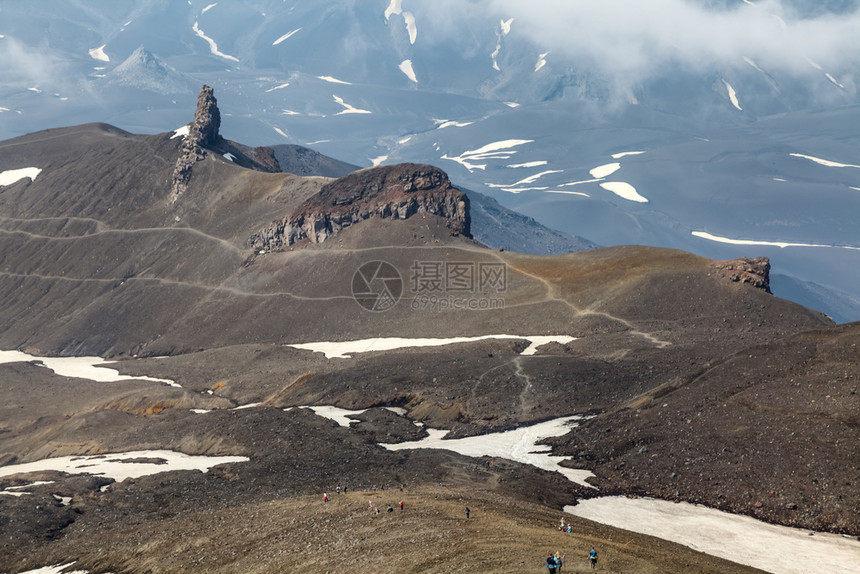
396,192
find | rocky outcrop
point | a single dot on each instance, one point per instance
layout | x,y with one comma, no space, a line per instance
756,271
203,132
395,192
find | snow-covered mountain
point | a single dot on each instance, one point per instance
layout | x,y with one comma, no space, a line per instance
725,128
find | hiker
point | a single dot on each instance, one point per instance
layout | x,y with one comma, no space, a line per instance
401,505
390,509
559,561
592,558
467,512
338,489
561,527
551,566
325,497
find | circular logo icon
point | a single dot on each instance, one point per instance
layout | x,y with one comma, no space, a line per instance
377,286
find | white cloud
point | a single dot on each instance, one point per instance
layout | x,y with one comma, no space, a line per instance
628,40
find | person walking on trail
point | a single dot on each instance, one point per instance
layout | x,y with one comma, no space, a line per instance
559,562
592,558
467,512
401,505
551,565
389,509
325,497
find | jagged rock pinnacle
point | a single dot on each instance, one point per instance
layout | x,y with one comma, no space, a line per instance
203,132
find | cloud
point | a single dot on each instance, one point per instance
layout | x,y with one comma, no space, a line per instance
630,41
23,66
634,38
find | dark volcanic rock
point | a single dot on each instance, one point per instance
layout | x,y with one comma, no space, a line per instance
203,135
396,192
756,271
202,132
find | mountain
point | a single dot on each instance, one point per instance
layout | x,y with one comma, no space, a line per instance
687,378
706,133
145,71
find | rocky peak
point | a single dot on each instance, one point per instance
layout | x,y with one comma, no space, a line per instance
203,132
207,119
396,192
756,271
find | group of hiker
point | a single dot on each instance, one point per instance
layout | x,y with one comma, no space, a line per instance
376,510
554,562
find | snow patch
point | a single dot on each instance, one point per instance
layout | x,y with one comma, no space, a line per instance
625,154
753,64
289,113
11,176
733,95
826,162
282,132
541,61
605,170
209,7
409,17
496,150
120,466
567,192
519,445
528,164
348,109
336,414
230,156
406,67
378,160
451,123
79,367
56,569
535,177
741,539
394,7
285,36
832,79
278,87
780,244
99,54
512,104
333,80
505,26
213,47
339,350
572,183
624,190
181,132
